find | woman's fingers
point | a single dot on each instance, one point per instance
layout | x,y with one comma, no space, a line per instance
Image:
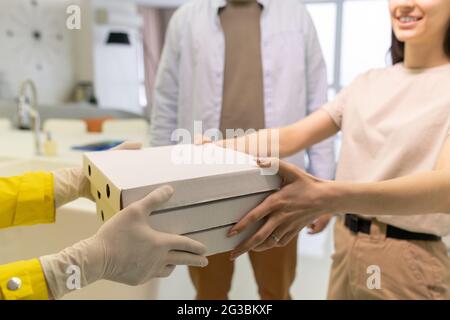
258,213
288,172
319,224
271,203
288,237
258,238
201,139
271,242
264,163
277,235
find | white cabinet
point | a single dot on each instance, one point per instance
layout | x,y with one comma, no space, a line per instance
118,55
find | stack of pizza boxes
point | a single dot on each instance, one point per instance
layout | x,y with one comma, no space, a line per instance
213,189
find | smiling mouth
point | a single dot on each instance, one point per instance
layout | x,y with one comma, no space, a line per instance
408,20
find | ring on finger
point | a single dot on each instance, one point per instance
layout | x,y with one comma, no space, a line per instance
275,238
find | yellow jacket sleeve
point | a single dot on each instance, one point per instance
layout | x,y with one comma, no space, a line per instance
23,280
27,200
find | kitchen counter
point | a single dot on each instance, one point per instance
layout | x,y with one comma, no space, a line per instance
8,109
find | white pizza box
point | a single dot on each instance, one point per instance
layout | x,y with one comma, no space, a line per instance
183,220
217,241
193,218
198,174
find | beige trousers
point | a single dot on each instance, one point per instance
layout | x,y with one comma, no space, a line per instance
375,267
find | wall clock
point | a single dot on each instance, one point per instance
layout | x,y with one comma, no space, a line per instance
36,44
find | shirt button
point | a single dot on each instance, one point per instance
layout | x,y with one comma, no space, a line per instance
14,284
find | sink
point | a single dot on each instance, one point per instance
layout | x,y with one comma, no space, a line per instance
17,167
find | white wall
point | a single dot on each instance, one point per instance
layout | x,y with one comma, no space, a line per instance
47,60
83,48
161,3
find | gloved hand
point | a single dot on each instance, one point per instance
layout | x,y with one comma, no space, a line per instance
125,249
71,183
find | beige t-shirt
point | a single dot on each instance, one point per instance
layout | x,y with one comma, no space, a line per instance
394,123
243,88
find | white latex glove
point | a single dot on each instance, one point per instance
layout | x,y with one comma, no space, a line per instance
125,249
71,183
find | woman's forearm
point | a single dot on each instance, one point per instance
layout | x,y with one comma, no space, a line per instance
416,194
285,141
305,133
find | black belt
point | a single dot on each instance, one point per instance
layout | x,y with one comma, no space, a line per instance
357,224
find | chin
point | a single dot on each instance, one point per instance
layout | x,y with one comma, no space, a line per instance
406,36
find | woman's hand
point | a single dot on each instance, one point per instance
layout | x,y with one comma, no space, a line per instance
319,224
302,199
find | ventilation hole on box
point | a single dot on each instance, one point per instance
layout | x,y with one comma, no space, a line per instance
89,170
99,195
103,216
108,192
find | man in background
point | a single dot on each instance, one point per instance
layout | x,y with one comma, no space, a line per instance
243,64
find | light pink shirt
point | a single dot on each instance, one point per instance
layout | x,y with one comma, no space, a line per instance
394,123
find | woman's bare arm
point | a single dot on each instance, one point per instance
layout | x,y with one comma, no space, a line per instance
285,141
416,194
304,198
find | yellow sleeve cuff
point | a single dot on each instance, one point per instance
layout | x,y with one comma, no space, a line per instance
35,200
29,275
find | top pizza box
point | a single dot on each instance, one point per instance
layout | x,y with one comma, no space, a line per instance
198,174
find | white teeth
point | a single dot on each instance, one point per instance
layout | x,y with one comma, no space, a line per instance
408,19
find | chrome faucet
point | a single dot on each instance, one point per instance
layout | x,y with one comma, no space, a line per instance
27,108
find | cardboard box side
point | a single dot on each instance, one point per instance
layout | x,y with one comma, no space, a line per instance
217,241
206,215
109,192
129,169
195,217
214,239
205,182
208,189
104,212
